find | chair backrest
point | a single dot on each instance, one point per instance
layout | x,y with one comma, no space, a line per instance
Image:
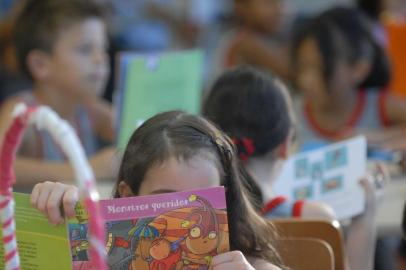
305,253
323,230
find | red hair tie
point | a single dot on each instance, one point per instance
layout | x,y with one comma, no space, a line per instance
245,148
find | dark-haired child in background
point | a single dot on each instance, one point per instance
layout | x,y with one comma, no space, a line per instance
255,110
330,65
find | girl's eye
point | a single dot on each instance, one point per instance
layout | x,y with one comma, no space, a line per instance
212,235
195,232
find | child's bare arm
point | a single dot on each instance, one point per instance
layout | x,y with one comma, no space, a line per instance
30,171
362,232
101,114
396,110
255,52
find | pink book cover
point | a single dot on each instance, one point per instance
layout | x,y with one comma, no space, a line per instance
180,230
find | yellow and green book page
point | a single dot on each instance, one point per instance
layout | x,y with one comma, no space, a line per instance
41,246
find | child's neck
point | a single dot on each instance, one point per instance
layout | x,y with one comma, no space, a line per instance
64,105
264,172
335,111
254,31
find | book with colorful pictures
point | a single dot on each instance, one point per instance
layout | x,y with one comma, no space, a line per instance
41,246
152,83
181,230
329,174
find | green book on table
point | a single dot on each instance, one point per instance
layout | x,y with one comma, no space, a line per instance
153,83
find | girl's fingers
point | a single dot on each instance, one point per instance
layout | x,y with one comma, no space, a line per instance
54,202
48,198
42,200
70,199
227,257
35,194
382,175
228,265
230,260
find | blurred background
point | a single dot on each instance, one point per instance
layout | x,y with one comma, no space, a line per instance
214,25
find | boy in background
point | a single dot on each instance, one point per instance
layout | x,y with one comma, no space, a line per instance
61,46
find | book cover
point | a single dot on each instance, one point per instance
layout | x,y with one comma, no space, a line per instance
41,246
152,83
329,174
181,230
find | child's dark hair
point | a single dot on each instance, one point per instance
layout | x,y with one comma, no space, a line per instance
354,27
250,106
248,103
40,22
343,33
330,43
183,136
404,221
373,8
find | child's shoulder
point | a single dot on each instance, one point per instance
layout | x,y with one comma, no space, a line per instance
25,96
6,111
395,108
318,210
7,106
101,115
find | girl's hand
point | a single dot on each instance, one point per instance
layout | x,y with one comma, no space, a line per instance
231,260
49,197
373,194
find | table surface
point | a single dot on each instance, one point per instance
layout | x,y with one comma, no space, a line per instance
390,209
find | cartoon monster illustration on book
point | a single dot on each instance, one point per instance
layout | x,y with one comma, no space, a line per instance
187,237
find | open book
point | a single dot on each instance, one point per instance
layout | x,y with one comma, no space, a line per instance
41,246
156,82
179,230
329,174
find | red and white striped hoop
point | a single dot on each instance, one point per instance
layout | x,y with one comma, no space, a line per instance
46,119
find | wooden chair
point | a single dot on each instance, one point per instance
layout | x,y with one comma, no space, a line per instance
323,230
305,253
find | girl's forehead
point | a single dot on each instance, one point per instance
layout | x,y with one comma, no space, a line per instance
177,174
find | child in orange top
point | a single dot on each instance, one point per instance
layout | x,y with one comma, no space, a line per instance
254,41
396,33
61,46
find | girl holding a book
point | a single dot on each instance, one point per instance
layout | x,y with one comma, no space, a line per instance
175,151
